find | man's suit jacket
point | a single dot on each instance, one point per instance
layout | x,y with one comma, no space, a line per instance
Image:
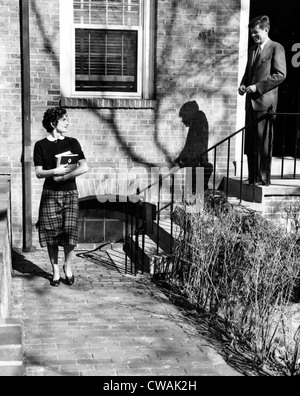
268,73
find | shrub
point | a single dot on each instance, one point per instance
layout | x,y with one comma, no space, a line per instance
235,264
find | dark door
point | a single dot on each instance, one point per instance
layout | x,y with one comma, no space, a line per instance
285,28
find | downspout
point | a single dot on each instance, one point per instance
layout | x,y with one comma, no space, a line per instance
26,125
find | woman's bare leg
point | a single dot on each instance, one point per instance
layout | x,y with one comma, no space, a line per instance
53,256
69,255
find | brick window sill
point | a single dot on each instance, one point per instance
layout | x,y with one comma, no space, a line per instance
84,103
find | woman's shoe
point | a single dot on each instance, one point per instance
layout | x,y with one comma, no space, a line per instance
55,283
69,281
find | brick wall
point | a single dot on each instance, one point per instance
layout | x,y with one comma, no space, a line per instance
196,59
276,206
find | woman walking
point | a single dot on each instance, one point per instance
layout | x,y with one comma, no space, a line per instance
58,214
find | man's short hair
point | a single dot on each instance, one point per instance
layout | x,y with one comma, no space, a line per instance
263,21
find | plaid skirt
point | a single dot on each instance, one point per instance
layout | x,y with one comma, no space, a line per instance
58,218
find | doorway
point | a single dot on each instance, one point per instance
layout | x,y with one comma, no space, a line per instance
285,29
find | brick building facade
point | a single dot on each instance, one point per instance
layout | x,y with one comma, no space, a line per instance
196,52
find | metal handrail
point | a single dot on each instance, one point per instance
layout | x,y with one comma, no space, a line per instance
269,115
214,147
171,174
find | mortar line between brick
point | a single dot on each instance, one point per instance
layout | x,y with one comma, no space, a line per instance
11,363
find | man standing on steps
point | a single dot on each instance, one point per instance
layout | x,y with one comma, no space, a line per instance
265,70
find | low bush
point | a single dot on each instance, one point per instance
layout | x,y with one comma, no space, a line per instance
237,265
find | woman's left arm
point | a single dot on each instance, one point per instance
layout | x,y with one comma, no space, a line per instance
80,170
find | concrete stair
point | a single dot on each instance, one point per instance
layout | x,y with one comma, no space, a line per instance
157,248
11,348
283,183
157,256
256,194
286,167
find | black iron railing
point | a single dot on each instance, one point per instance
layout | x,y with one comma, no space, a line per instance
214,184
294,150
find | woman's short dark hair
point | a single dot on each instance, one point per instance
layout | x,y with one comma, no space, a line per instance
52,116
263,21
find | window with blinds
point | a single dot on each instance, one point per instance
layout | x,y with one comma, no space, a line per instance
107,48
107,35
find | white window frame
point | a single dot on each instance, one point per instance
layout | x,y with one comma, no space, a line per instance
145,78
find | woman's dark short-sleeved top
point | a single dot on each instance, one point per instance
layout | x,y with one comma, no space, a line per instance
44,155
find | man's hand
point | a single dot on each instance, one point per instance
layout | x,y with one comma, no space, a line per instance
242,90
251,89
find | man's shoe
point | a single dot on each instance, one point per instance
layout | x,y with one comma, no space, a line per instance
261,183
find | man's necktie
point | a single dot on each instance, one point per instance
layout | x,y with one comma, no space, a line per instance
256,56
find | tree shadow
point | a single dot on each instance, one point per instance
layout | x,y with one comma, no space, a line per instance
47,41
214,330
185,71
106,257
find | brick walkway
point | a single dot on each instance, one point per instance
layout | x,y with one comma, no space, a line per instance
106,324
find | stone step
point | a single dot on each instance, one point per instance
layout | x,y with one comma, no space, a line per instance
254,193
142,258
285,167
157,247
11,349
